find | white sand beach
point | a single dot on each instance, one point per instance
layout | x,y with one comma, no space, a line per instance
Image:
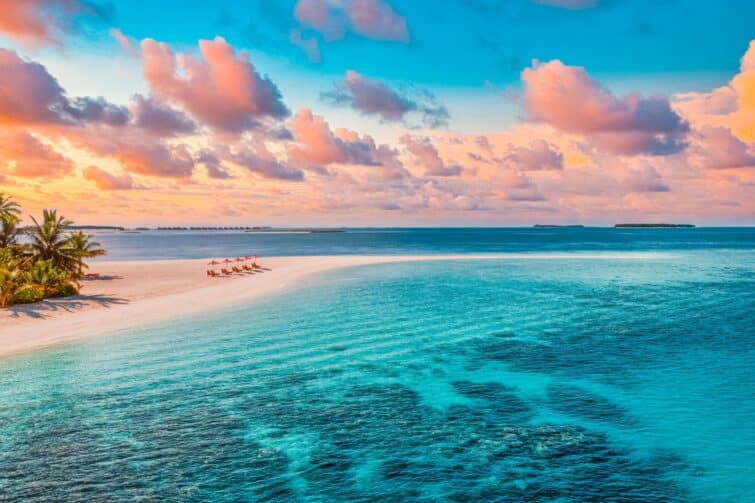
135,293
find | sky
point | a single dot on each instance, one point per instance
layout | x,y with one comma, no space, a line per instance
379,112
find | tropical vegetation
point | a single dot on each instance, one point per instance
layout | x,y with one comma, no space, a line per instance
48,261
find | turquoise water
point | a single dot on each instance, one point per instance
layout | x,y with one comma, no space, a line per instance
198,244
503,380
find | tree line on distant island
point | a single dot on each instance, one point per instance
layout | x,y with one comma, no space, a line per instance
50,263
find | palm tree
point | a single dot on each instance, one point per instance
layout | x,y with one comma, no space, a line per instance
49,240
47,277
80,246
8,207
8,230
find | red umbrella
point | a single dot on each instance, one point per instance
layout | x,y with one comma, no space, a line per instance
213,262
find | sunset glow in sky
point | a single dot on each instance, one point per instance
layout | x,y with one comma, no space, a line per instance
379,112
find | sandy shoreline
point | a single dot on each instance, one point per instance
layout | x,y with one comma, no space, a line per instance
135,293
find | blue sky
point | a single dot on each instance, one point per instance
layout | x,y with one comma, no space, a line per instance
467,52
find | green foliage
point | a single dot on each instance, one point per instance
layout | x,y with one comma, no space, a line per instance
8,207
50,265
12,277
26,295
8,230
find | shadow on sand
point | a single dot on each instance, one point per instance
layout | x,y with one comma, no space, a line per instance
64,304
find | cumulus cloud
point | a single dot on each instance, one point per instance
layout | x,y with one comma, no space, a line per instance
29,95
731,106
317,144
36,22
259,160
221,89
645,178
24,155
426,155
105,180
96,110
512,185
569,100
716,147
539,155
212,164
334,19
159,118
371,97
153,158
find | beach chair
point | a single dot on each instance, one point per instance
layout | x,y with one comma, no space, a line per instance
246,267
226,271
236,269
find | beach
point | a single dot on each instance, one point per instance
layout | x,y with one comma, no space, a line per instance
134,293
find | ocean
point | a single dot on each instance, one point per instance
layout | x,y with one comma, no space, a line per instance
627,377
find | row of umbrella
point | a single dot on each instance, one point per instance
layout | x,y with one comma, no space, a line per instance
236,260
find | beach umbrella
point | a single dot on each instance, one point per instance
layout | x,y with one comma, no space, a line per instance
213,262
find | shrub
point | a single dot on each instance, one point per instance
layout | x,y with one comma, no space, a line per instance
26,295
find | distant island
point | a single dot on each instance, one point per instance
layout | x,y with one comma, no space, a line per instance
259,230
554,226
625,226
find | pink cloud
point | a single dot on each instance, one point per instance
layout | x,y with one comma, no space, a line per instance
373,19
160,119
222,88
259,160
126,43
538,155
105,180
718,148
645,179
371,97
154,158
511,185
318,144
427,156
35,22
376,19
31,158
569,100
212,164
29,95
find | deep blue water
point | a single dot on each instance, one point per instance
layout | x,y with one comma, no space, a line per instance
187,244
609,379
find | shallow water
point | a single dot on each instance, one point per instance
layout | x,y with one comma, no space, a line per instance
516,380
